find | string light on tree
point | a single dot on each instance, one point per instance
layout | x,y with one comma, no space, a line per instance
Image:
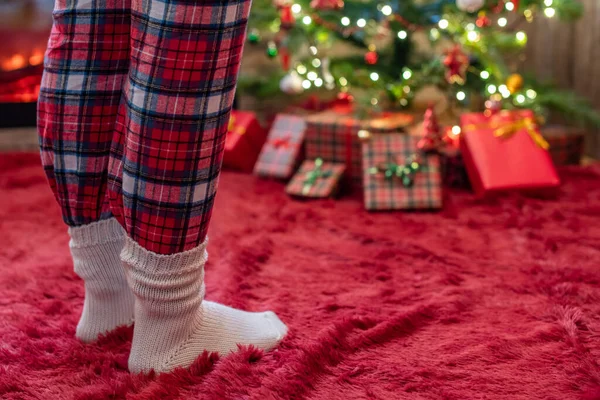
434,34
316,63
296,8
510,6
460,96
532,94
312,75
473,36
549,12
374,76
520,99
318,82
306,84
484,75
548,3
361,23
306,20
386,10
443,24
407,74
502,22
521,37
343,81
492,89
345,21
402,35
301,69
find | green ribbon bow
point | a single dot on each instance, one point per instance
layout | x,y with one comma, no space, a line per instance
406,172
313,175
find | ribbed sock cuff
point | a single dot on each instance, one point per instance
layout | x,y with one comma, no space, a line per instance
138,258
96,233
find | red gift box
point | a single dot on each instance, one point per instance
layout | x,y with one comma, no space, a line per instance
281,153
566,144
506,152
245,137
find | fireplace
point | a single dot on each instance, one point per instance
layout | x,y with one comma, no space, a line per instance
23,35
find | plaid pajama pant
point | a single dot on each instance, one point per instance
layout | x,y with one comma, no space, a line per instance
133,111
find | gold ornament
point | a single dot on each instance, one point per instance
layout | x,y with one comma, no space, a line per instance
514,83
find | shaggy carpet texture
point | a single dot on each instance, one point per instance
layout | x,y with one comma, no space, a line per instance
495,299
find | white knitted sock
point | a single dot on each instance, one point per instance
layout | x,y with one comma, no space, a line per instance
108,300
173,325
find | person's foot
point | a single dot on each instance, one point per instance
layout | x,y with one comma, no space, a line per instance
173,325
164,344
108,300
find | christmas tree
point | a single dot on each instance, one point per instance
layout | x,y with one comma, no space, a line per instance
384,52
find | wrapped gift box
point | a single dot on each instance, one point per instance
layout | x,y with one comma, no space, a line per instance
280,155
454,173
316,179
397,176
566,144
333,136
243,142
506,152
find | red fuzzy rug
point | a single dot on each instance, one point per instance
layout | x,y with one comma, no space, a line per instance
484,300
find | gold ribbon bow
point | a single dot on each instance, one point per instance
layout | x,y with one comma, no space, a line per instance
508,129
505,129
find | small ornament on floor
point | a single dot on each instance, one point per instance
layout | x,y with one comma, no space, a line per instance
432,139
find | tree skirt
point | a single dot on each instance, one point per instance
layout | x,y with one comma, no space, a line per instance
495,299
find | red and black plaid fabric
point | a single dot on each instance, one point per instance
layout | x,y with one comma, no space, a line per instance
140,93
454,172
566,144
279,155
325,184
383,193
333,136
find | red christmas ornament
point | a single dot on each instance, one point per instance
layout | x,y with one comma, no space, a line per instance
456,63
483,20
432,139
327,4
287,17
371,57
498,7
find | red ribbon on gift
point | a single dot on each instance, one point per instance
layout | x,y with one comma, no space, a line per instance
281,142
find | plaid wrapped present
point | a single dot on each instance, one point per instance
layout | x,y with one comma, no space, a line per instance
280,154
333,136
316,179
454,173
396,176
566,144
243,142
